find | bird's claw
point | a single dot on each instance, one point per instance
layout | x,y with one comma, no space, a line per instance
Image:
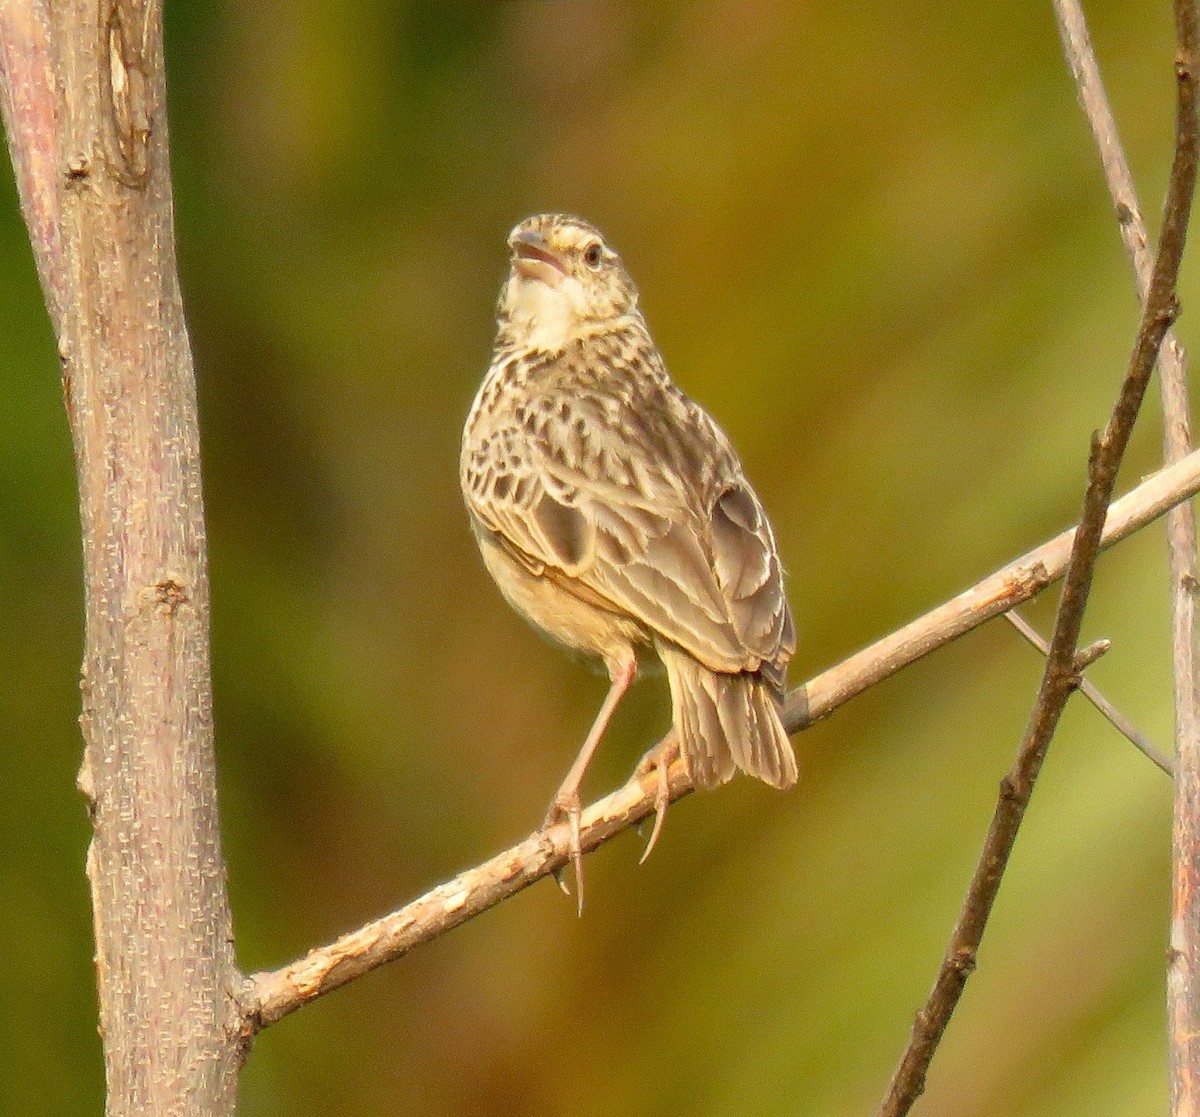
658,760
570,809
662,800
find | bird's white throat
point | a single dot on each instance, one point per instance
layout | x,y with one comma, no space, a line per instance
545,316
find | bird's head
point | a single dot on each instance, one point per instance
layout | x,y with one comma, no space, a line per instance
563,281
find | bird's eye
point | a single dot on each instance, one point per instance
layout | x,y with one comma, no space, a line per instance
593,254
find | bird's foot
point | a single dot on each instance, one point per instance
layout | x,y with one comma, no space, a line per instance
567,806
658,760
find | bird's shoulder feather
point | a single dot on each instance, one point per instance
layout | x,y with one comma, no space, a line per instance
597,467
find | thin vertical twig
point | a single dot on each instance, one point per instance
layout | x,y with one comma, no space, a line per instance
1063,666
1183,972
1183,985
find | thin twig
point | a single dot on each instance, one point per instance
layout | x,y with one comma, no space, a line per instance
269,996
1183,972
1183,987
1092,693
1061,675
1011,585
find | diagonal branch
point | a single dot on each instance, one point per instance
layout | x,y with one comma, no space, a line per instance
1092,693
1183,985
1013,584
1061,675
271,995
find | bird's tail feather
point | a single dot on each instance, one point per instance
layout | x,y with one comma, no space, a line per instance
727,722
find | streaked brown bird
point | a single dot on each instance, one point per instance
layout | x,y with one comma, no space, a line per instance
613,513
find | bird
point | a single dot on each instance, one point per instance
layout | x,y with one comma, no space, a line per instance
614,514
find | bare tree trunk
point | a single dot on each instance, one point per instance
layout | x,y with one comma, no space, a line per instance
96,194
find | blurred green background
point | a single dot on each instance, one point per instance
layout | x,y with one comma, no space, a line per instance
875,243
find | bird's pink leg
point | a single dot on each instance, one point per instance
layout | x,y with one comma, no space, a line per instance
566,802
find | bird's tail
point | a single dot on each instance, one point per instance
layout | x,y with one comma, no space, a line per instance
727,722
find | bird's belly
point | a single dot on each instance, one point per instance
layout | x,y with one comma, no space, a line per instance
561,615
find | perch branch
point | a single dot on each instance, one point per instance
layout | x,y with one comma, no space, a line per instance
1010,586
1061,675
1092,693
269,996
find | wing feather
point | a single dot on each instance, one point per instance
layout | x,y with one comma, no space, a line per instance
644,508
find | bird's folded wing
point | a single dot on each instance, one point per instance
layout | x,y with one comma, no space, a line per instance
708,580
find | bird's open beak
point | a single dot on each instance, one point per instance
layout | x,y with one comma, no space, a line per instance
532,259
